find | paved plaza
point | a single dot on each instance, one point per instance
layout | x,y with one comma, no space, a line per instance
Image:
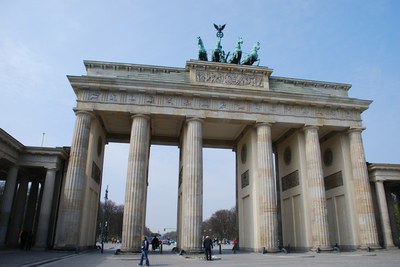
20,258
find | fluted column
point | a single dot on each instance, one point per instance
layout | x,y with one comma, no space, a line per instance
18,212
75,184
136,184
31,206
383,209
366,219
192,193
6,204
45,209
316,190
268,217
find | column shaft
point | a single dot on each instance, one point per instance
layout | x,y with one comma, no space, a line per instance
316,190
192,193
366,218
268,217
386,228
45,209
75,184
136,184
31,206
18,213
6,204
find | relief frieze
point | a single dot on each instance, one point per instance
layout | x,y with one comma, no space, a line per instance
170,101
113,97
132,98
256,107
150,99
204,103
187,102
222,105
94,96
240,106
280,109
227,78
291,180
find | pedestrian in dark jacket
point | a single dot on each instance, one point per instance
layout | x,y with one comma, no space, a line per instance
208,245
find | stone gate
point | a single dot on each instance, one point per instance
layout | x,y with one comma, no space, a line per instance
301,175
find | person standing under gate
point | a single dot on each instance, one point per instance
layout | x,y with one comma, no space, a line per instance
208,245
145,251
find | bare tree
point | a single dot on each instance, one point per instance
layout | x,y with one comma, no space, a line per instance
222,224
113,216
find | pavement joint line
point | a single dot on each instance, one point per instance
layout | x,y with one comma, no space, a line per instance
46,261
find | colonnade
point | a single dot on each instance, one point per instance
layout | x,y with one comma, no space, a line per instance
32,211
26,207
191,206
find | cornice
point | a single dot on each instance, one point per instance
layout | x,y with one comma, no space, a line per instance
115,66
383,166
49,151
81,83
11,141
312,83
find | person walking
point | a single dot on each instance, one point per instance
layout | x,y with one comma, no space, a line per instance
145,251
234,246
208,245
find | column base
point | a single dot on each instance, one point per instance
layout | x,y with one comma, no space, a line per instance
182,251
264,250
322,249
75,248
370,247
392,247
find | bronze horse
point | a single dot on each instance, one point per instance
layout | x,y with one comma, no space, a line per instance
202,50
237,54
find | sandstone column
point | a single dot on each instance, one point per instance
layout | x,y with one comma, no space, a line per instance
45,209
69,221
383,209
136,184
316,190
268,217
18,212
6,204
362,190
192,191
31,206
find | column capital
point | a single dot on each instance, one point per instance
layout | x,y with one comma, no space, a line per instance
140,115
14,166
311,127
82,111
195,119
264,123
355,129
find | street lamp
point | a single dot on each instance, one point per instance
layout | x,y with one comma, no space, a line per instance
104,223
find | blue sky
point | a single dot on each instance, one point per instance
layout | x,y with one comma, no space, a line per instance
355,42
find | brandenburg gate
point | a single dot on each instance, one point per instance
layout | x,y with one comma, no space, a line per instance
301,174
